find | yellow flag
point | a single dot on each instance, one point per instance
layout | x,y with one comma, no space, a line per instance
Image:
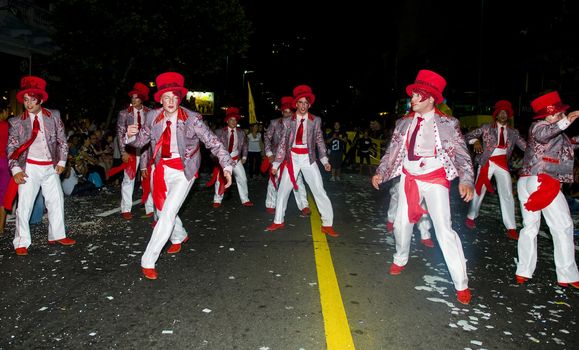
252,117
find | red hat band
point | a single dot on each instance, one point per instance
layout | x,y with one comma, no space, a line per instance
141,90
286,103
429,81
170,81
548,104
232,112
503,105
303,91
33,85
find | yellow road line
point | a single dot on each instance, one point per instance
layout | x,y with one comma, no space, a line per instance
337,329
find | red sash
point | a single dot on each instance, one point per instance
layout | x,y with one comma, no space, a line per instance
548,189
415,210
12,189
483,176
130,167
218,174
159,184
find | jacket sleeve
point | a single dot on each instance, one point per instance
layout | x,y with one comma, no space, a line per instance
61,142
268,139
463,161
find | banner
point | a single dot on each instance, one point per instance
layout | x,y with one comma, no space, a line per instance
252,117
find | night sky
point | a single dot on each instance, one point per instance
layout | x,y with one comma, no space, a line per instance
487,50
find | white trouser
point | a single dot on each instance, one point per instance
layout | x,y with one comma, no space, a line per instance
300,195
312,176
240,180
560,224
438,203
42,177
505,190
127,187
424,225
168,225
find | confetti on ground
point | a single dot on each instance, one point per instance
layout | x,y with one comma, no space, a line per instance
167,331
42,308
110,298
92,334
206,310
476,342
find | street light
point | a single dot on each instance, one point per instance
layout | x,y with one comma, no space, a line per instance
243,79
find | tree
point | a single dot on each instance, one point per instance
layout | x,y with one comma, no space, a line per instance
107,45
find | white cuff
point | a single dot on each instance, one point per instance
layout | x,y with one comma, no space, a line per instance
130,139
324,160
15,170
228,168
268,154
472,142
563,123
62,163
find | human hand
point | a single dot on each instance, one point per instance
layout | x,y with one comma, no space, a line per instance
466,192
20,178
478,147
376,181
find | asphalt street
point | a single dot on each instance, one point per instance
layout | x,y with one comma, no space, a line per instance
236,286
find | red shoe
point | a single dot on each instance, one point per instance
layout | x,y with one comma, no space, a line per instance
127,215
22,251
150,273
149,215
396,269
176,248
270,210
306,212
247,204
63,241
216,205
573,284
275,226
513,234
389,227
329,230
470,224
463,296
521,279
427,242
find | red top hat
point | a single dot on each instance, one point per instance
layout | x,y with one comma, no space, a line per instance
34,85
140,90
503,105
548,104
303,91
431,82
287,102
170,81
232,112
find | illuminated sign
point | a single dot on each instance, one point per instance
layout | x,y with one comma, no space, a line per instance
202,102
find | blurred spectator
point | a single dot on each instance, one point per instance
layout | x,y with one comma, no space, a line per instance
365,149
336,140
4,171
255,151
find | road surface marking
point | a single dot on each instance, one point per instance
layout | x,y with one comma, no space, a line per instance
337,329
116,210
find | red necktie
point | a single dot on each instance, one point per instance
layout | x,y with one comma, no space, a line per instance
300,133
502,138
411,155
139,119
231,142
166,146
23,147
